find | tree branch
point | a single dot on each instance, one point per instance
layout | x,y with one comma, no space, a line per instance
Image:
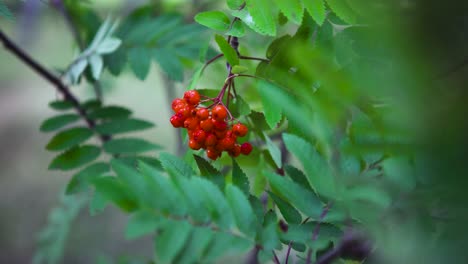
46,74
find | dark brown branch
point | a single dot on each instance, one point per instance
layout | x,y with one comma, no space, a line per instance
253,58
46,74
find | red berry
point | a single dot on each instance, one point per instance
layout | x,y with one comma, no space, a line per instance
206,125
235,151
227,143
210,140
195,145
199,136
191,123
219,125
184,111
240,129
212,153
219,112
192,97
177,121
177,104
203,113
246,148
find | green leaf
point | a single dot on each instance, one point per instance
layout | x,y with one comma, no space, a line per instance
292,9
289,213
171,240
342,10
134,161
141,223
75,157
210,172
91,104
110,112
129,146
235,4
318,171
271,109
301,198
226,245
69,138
241,209
96,62
237,29
274,151
239,69
316,9
216,20
262,15
5,12
57,122
297,176
60,105
98,203
369,193
80,181
139,59
112,189
169,63
239,178
122,126
175,166
109,45
196,245
229,53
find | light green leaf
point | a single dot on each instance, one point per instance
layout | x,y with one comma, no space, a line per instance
304,200
80,181
216,20
109,45
318,172
122,126
240,206
141,223
75,157
76,69
229,53
129,146
69,138
290,214
237,69
271,108
5,12
61,105
134,160
96,63
101,34
110,112
237,29
171,240
139,59
316,9
292,9
239,178
57,122
342,10
98,203
369,193
226,245
196,246
210,172
112,189
262,15
275,152
235,4
175,166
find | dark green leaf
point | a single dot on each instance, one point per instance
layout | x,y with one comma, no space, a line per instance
91,104
297,176
229,53
141,223
171,240
80,181
317,169
239,178
207,170
301,198
316,9
110,112
241,209
140,61
75,158
342,10
129,146
274,151
169,63
272,110
61,105
69,138
112,189
290,214
58,122
196,245
216,20
225,245
122,126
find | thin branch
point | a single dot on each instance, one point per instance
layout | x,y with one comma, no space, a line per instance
253,58
275,258
46,74
317,230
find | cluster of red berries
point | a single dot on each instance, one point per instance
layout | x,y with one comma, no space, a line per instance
207,128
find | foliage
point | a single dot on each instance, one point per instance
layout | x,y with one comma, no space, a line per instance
333,155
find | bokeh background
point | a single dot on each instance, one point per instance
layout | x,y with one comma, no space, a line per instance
430,37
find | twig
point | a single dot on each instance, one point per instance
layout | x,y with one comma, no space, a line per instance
317,230
253,58
46,74
275,258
